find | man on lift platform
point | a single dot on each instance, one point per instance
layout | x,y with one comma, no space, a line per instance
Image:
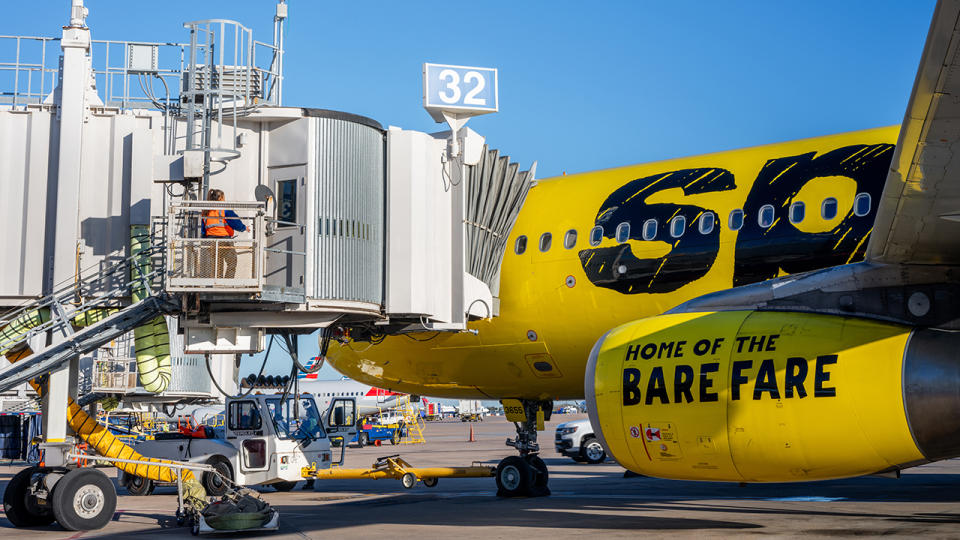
222,224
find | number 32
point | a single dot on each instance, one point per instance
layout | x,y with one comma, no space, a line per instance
451,92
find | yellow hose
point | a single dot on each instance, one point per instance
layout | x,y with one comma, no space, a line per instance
17,328
151,340
108,445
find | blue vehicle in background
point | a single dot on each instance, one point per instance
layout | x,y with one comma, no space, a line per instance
369,432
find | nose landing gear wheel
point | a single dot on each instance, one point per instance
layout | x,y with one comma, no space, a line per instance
538,488
514,477
84,500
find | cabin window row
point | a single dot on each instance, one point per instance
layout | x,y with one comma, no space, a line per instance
677,225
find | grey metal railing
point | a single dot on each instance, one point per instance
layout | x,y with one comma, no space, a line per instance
198,262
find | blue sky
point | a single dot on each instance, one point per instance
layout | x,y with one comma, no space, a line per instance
582,85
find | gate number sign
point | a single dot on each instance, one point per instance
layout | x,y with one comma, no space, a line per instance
460,89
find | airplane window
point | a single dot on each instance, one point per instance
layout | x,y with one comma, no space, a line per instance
861,205
545,240
596,235
828,210
707,220
649,229
677,226
736,220
570,239
765,215
521,246
797,211
623,232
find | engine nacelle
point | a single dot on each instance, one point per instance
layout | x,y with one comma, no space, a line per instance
752,396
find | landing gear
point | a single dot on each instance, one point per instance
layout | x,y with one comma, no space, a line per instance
21,505
525,475
84,500
78,499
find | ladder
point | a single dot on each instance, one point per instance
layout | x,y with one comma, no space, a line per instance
413,422
98,301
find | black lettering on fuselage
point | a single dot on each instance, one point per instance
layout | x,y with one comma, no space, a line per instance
631,386
632,352
692,254
656,387
761,252
738,378
706,382
682,383
822,376
766,381
796,374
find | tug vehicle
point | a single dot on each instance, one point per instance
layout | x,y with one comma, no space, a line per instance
268,439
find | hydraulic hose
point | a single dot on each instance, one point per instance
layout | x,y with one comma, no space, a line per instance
108,445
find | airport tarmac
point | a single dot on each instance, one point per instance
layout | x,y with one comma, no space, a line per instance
587,501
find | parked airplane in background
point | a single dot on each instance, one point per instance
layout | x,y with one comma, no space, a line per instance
370,399
834,356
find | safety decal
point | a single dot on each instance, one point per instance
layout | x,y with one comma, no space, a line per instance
635,432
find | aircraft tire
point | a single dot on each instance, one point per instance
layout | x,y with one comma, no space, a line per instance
20,507
84,500
514,477
541,476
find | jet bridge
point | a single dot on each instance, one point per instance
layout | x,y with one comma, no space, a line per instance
347,226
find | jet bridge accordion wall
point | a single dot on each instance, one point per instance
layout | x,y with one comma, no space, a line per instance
496,190
349,209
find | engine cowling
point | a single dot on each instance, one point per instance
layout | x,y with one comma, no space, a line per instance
754,396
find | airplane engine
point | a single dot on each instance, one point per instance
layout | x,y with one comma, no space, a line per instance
752,396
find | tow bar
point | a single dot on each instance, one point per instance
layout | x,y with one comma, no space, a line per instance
395,467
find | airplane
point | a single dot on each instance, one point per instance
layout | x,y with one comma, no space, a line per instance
779,313
370,399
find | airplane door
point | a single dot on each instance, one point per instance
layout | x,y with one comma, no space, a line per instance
286,246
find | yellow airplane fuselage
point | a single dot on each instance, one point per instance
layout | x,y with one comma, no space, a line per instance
556,303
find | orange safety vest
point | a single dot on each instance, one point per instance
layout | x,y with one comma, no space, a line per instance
215,224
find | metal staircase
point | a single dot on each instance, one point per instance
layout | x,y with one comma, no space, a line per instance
84,314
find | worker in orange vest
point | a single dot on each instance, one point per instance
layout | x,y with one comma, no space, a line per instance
222,224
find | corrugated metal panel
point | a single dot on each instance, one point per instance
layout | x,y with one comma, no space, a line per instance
349,203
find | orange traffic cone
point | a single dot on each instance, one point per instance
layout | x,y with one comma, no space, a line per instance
472,438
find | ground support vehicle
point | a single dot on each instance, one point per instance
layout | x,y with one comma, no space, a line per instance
395,467
577,441
470,410
266,442
371,433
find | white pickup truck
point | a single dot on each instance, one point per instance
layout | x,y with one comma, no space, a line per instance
576,440
264,442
